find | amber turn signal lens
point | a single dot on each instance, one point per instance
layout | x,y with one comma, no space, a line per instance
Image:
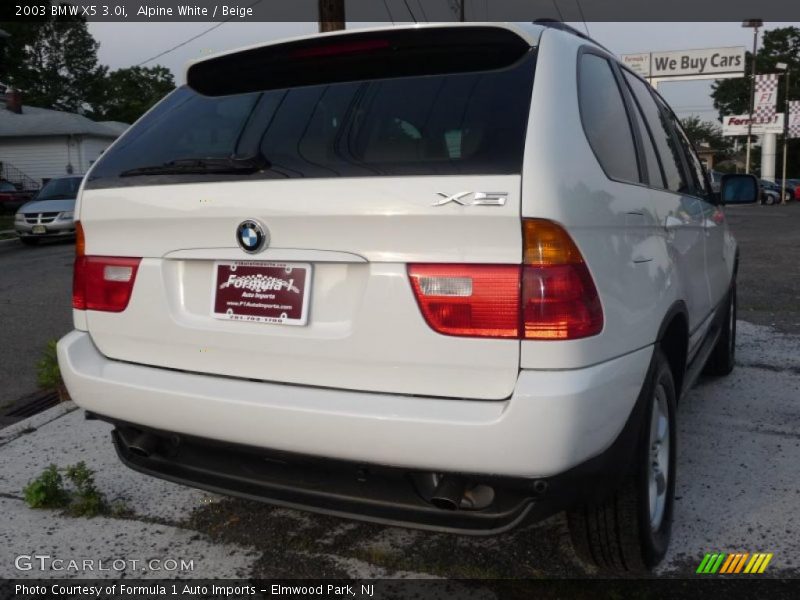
547,243
80,240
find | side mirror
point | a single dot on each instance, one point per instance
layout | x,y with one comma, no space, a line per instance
739,189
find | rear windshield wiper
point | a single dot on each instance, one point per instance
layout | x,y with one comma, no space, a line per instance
250,164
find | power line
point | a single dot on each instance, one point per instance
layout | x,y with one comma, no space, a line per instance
422,8
193,38
386,4
558,10
585,24
409,10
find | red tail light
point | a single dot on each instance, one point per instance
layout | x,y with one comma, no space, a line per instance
550,297
103,283
468,300
559,298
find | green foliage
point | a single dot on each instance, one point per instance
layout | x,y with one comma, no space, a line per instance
129,93
87,500
705,132
46,491
732,96
48,375
83,499
54,62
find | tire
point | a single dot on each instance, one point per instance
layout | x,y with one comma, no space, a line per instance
769,200
723,356
29,241
629,532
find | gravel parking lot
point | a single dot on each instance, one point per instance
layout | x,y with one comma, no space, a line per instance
739,447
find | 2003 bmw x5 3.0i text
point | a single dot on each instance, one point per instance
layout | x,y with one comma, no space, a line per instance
451,277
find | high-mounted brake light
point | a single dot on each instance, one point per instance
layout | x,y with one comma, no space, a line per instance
354,47
551,296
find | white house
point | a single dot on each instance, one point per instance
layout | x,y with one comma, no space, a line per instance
38,143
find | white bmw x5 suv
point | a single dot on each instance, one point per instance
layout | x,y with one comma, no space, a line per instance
451,277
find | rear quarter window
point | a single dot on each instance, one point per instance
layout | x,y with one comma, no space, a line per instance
605,119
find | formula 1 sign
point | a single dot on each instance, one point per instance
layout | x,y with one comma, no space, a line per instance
680,63
737,125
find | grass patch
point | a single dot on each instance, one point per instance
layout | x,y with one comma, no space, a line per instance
6,222
48,373
80,498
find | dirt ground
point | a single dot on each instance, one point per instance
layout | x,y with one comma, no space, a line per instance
769,264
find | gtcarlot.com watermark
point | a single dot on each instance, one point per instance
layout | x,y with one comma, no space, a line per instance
46,562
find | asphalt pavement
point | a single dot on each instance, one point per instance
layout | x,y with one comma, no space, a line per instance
35,307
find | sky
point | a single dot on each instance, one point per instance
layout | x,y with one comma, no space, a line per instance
128,44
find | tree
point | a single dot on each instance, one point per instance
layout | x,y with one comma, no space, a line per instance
705,132
54,62
732,96
128,93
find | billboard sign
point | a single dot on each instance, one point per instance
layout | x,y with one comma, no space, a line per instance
638,63
681,63
737,124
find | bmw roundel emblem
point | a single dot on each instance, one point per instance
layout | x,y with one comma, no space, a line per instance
252,236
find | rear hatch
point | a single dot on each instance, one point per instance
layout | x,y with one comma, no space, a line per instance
342,160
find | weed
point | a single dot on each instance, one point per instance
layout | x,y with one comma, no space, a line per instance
47,490
120,510
88,501
48,374
83,499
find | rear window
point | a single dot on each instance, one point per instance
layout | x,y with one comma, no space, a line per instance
447,124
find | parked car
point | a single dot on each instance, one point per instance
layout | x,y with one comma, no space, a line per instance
791,191
11,198
333,276
50,213
772,192
796,184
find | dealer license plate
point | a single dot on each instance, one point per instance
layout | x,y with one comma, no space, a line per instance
262,292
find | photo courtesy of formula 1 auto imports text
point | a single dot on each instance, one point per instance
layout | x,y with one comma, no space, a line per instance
406,299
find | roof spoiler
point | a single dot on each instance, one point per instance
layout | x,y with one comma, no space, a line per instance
383,54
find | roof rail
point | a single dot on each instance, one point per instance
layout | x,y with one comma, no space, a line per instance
561,26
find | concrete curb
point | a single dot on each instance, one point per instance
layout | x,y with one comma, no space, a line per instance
14,240
12,432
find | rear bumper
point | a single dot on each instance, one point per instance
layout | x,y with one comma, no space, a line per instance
554,421
338,488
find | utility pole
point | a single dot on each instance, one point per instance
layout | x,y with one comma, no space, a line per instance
458,8
785,68
755,24
331,15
